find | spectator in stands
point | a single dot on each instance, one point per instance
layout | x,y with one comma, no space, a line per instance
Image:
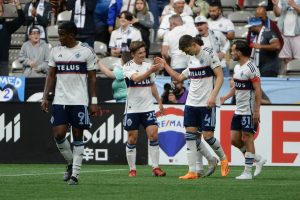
58,6
218,22
83,17
268,23
178,10
122,37
34,55
174,93
38,14
265,48
214,40
143,21
100,17
199,7
118,85
6,29
169,9
289,25
115,9
170,47
156,7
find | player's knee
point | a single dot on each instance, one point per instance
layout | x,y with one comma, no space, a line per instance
132,139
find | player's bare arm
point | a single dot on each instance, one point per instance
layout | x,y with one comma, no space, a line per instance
49,86
157,98
258,95
230,93
138,77
218,84
93,107
175,75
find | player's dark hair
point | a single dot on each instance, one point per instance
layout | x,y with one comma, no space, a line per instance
243,47
69,27
186,41
126,57
216,4
127,15
136,45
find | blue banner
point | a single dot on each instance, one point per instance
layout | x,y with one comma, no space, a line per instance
279,90
12,89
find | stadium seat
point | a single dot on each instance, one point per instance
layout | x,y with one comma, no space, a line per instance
64,16
16,66
241,32
52,32
252,4
13,55
293,68
100,48
17,40
228,4
110,61
10,11
240,17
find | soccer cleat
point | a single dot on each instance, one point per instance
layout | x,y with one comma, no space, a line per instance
200,173
158,172
132,173
244,176
73,181
211,167
68,173
259,166
189,175
224,167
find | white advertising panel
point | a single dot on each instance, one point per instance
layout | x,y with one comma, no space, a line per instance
277,140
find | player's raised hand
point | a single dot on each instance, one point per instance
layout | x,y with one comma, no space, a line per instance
161,61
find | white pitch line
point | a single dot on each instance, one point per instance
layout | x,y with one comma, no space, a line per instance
51,173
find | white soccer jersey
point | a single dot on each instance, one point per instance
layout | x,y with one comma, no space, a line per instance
72,66
222,24
201,75
244,92
139,95
171,39
120,37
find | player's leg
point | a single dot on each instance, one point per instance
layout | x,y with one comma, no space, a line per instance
208,127
79,119
150,124
131,125
131,151
191,122
78,150
249,156
60,123
203,151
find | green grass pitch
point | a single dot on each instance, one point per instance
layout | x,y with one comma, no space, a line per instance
111,182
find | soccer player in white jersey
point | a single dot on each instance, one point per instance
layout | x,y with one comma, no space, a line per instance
139,110
72,73
206,78
248,93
